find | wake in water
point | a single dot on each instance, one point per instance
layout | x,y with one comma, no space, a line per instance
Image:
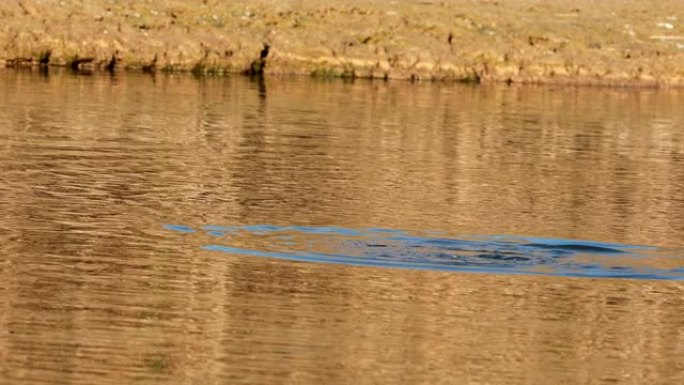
436,251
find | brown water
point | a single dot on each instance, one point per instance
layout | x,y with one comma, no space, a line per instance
97,288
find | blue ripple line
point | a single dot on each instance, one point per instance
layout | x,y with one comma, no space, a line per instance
324,230
226,229
179,228
340,259
262,228
486,254
267,229
574,242
594,272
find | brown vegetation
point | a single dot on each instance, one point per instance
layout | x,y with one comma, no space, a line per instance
611,42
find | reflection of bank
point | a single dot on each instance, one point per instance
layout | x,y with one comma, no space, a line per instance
292,155
388,153
262,88
422,146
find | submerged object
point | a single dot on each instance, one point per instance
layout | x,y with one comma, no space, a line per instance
439,251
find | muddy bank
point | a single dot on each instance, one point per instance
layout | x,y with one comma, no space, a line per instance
612,42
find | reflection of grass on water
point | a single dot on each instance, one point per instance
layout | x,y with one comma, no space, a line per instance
149,315
157,363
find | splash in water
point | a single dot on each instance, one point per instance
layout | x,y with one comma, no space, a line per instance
437,251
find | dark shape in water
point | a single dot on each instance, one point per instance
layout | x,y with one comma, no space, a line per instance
111,65
81,64
44,59
484,254
151,67
256,68
576,247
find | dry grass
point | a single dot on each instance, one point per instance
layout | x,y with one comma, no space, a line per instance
581,42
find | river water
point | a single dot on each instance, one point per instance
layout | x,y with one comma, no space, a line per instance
174,230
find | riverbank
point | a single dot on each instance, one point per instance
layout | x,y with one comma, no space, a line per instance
612,42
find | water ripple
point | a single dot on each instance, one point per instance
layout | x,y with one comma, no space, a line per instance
426,251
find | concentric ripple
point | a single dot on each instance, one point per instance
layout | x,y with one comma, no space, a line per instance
438,251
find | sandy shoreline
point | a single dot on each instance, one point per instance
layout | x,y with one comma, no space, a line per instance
611,42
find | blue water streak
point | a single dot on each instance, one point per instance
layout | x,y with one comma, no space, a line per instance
179,228
438,251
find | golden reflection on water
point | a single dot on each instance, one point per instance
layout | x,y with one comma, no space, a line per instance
94,290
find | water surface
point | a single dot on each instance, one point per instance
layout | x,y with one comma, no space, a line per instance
171,229
436,251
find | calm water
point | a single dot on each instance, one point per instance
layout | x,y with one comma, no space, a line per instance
225,231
